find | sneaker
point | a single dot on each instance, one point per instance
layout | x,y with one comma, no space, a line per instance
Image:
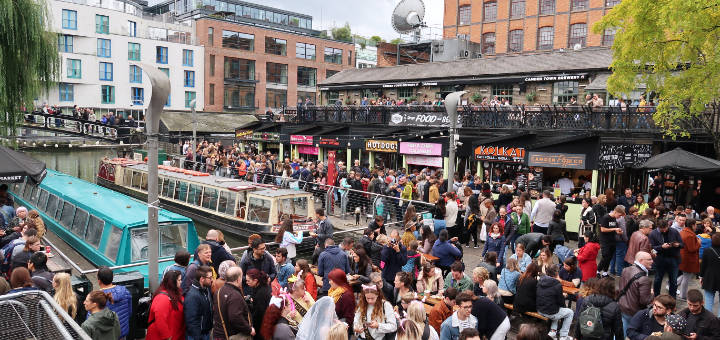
565,338
552,333
476,247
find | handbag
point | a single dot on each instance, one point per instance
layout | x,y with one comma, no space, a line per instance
222,321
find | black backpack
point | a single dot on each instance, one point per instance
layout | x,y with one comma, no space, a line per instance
590,322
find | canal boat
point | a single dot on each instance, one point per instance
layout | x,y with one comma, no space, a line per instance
231,205
104,226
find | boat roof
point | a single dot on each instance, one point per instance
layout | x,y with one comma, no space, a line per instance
224,182
119,209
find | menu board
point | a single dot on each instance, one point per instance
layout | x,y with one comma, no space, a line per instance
619,156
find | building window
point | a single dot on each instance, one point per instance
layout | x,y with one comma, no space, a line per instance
132,28
102,24
189,97
333,96
161,55
547,7
563,91
503,92
330,73
578,35
211,94
107,94
463,36
167,73
305,51
104,48
350,58
133,51
236,96
137,95
405,92
609,36
275,46
239,41
517,8
515,42
277,73
211,36
69,19
306,76
189,79
579,5
74,68
488,43
212,65
333,55
65,43
275,98
611,3
546,36
239,69
464,15
106,71
135,74
490,11
187,58
67,92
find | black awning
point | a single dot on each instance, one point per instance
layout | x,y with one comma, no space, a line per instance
683,161
17,165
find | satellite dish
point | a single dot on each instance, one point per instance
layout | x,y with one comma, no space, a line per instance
408,15
577,47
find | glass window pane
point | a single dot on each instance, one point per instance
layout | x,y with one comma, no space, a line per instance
94,231
138,244
194,194
42,202
181,191
223,201
209,200
51,205
113,243
79,222
173,237
59,210
259,210
68,213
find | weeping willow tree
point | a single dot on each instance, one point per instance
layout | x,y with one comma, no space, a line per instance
29,59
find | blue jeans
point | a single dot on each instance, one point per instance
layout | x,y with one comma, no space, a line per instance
201,337
666,265
617,264
710,300
626,321
566,314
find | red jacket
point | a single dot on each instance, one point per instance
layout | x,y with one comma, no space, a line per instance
311,285
587,260
166,322
690,253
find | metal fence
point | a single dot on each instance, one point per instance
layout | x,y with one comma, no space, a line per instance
78,126
36,315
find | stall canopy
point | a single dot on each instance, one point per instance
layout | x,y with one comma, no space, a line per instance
683,161
17,165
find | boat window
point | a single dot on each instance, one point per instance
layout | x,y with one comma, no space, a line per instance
138,244
293,206
59,210
194,194
127,177
181,191
94,231
173,237
210,198
68,212
28,191
113,243
42,201
160,184
259,210
223,202
143,182
79,222
136,179
35,195
164,190
170,188
19,188
51,205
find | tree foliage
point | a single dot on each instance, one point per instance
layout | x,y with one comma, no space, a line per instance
397,41
377,39
29,59
672,46
342,33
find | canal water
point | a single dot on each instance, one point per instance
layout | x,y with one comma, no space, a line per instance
83,163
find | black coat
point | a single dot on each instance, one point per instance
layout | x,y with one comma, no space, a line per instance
526,296
549,297
705,324
611,317
710,260
489,316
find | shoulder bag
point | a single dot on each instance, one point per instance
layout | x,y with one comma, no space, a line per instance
222,320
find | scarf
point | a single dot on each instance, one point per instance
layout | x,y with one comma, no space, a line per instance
336,293
493,235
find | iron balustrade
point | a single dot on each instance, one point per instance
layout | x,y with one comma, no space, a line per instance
79,126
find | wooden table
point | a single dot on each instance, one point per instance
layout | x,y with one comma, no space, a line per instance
570,290
430,257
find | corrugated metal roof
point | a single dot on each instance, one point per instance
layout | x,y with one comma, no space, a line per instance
207,122
586,59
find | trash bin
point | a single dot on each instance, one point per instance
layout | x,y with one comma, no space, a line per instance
82,287
134,282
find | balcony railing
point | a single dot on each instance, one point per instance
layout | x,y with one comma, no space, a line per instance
520,117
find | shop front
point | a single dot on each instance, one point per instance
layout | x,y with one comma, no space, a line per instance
617,164
422,155
382,153
304,147
332,144
502,164
257,141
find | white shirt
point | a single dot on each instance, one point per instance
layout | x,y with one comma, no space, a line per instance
386,326
451,211
566,185
470,322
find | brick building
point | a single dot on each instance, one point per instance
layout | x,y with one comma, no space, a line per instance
516,26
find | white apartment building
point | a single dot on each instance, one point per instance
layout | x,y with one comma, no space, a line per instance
365,57
103,42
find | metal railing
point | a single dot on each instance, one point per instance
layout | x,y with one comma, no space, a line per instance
79,126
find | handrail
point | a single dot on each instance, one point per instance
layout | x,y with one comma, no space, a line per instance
59,252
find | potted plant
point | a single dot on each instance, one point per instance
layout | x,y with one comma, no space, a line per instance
531,96
476,98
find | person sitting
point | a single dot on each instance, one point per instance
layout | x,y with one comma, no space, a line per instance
525,298
507,283
545,260
457,278
342,295
430,280
416,313
479,276
300,297
361,266
490,289
587,256
64,294
461,319
570,272
20,280
277,323
102,323
374,318
445,251
603,298
493,322
441,311
522,258
550,303
491,265
41,276
302,271
648,321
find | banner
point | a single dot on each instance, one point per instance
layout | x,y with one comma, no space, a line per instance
619,156
499,154
557,160
243,134
430,119
427,149
331,142
381,145
14,179
308,150
301,140
436,162
266,136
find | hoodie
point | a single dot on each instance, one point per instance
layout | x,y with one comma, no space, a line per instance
549,297
102,325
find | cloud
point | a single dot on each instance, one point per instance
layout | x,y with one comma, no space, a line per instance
366,18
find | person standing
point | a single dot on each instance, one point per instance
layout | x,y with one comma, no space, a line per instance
520,225
542,213
709,275
260,297
288,239
103,323
689,257
666,243
121,302
203,256
394,255
331,258
231,316
166,320
608,229
636,287
639,241
259,259
701,323
198,306
323,232
588,220
603,297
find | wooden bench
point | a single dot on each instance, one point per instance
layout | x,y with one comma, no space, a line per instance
530,314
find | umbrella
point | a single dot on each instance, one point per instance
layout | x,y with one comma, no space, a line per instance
16,165
682,161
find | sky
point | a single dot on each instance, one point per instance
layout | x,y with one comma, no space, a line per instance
366,18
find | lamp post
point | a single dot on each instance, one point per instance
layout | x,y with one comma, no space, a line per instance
194,114
160,84
451,102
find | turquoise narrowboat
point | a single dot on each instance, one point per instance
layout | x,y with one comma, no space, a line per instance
104,226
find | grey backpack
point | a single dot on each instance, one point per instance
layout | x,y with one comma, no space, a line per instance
590,322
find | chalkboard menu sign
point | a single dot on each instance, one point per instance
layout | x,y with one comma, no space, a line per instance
619,156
